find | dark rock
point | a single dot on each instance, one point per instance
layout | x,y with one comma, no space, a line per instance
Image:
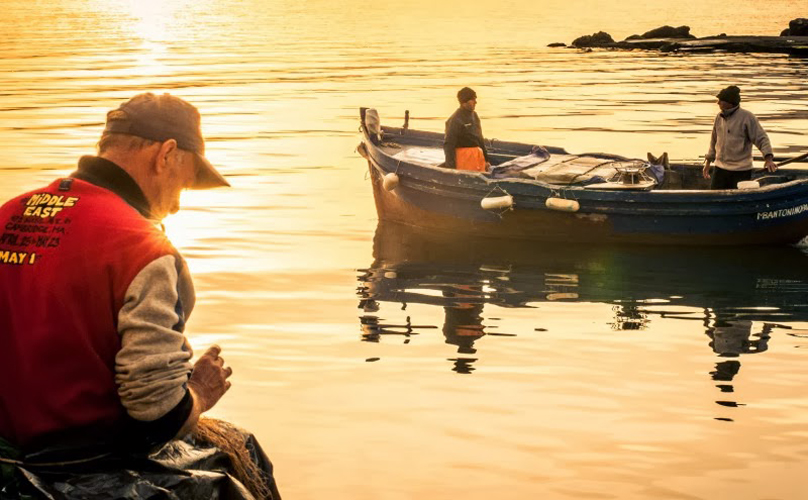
798,27
785,32
639,43
599,39
665,32
557,44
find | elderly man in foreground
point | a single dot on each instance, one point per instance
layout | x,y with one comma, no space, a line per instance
95,365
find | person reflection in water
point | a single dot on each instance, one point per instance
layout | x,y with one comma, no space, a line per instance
729,338
463,324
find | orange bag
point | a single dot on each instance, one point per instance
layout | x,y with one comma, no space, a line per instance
470,159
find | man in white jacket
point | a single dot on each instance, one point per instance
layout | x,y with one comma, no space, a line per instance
734,132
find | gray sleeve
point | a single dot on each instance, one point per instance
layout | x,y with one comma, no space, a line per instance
759,137
711,152
153,365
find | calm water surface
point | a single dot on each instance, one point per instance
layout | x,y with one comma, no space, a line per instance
377,363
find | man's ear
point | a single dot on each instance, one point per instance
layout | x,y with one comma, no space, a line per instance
165,150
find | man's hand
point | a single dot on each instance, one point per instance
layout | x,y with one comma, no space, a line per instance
207,385
706,170
770,165
208,381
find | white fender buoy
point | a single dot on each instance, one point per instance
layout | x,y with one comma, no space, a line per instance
497,202
562,204
748,185
390,181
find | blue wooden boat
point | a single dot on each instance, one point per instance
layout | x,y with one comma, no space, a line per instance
599,198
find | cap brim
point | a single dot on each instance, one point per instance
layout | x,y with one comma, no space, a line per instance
208,177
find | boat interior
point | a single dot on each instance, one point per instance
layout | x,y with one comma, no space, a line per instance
555,166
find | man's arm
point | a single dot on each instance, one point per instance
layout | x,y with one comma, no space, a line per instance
482,140
710,156
760,139
450,143
153,364
160,390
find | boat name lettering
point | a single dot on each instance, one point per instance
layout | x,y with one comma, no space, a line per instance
785,212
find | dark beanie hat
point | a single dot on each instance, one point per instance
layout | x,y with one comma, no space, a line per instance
731,94
466,94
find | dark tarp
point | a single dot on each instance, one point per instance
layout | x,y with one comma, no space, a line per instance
182,469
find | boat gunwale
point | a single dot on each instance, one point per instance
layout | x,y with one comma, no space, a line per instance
767,193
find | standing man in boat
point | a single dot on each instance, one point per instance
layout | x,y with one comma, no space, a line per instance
463,144
94,300
734,132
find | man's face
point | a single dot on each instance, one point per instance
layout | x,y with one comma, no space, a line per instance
724,105
470,104
179,174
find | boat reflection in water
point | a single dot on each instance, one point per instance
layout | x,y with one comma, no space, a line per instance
737,297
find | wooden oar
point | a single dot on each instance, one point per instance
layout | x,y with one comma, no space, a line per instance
784,162
801,158
791,160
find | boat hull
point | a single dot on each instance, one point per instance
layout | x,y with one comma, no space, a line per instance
414,208
449,201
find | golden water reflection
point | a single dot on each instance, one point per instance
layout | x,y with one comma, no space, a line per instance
737,304
591,373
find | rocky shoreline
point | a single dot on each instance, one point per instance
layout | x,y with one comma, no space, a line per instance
793,40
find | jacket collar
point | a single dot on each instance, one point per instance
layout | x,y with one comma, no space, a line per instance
106,174
465,114
730,111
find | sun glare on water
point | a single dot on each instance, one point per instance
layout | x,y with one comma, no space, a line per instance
155,19
157,24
